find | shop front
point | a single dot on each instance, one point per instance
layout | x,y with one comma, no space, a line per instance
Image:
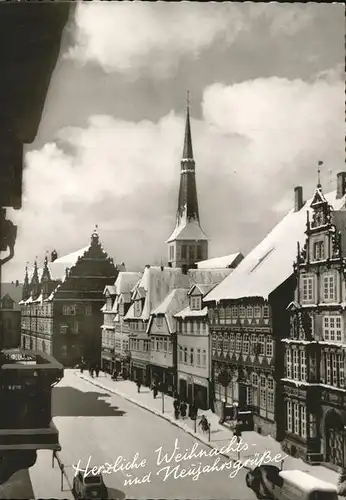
164,377
194,389
107,360
140,371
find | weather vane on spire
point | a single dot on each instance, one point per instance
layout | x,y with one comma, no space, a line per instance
188,98
320,163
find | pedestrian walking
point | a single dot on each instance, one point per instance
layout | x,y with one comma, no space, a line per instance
204,424
97,370
138,386
155,391
176,406
114,374
183,408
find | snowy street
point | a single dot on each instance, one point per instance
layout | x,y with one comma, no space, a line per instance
103,426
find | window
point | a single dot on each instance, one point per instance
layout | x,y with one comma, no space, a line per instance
303,366
253,344
266,312
199,252
270,394
328,368
234,312
195,303
214,342
249,312
341,371
185,355
242,311
308,288
69,310
318,250
63,329
334,369
238,343
198,357
228,313
295,365
296,418
231,342
246,344
257,311
263,392
171,252
289,416
160,344
332,328
183,252
269,347
225,344
329,287
261,345
222,315
75,327
180,354
204,358
63,350
219,342
165,345
159,321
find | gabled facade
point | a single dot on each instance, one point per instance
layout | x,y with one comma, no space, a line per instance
188,243
115,341
154,286
193,349
162,331
248,318
66,323
314,386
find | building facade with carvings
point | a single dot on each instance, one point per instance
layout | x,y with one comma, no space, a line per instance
61,305
314,386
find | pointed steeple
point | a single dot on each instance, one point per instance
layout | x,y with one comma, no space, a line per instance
188,232
26,285
187,151
35,283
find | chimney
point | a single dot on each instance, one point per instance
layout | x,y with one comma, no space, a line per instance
53,256
17,283
298,198
162,268
340,185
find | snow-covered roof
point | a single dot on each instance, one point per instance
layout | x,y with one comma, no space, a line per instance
111,289
191,313
208,276
187,229
174,302
126,281
157,282
270,263
204,289
307,482
219,262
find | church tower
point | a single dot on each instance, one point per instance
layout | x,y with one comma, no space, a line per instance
188,243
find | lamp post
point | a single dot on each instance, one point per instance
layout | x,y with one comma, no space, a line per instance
163,402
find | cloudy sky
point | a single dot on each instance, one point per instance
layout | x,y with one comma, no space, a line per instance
267,96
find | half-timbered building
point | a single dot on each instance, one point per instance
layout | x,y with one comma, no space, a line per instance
314,386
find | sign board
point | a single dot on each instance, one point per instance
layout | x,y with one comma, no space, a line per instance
19,357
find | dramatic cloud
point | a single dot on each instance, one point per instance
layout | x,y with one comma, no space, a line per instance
256,141
142,38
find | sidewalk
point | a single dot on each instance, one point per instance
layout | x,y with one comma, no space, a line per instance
46,480
219,435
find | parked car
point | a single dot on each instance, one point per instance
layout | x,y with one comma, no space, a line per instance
90,487
269,482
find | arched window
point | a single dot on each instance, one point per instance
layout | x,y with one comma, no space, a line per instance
263,392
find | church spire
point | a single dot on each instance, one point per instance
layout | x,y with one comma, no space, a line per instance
187,151
188,232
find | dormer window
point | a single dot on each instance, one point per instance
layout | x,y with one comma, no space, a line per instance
318,250
121,309
195,303
159,321
138,308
